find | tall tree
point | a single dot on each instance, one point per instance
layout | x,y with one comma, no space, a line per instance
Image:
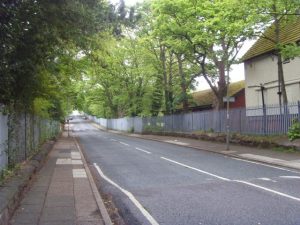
34,36
210,32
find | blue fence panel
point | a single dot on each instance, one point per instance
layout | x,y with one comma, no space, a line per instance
260,121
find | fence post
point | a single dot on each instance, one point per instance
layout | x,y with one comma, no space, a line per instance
298,111
172,122
25,135
264,120
240,114
220,121
192,121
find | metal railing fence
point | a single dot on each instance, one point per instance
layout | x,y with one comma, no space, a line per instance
269,120
21,135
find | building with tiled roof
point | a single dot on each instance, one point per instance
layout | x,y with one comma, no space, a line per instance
260,63
204,100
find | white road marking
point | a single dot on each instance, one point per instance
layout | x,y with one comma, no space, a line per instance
263,164
79,173
113,139
76,162
198,170
64,161
142,150
264,178
68,161
177,142
269,190
75,155
290,177
129,195
123,143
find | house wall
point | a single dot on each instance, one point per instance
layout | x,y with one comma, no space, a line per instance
263,70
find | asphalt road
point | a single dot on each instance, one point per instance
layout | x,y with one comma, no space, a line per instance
160,183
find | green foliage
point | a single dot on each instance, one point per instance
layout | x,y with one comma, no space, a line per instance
285,149
114,61
208,34
294,131
36,38
153,128
41,107
131,130
290,51
8,172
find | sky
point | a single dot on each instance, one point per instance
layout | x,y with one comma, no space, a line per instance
237,71
127,2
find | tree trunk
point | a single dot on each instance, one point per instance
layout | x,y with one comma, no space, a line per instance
185,103
170,83
165,78
222,89
281,83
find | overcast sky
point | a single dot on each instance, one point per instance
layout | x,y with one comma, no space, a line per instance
127,2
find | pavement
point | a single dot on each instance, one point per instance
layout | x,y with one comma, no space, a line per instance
63,191
277,158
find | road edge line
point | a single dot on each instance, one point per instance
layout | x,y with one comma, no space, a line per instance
131,197
98,198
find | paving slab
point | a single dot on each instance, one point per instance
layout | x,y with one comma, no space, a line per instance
61,193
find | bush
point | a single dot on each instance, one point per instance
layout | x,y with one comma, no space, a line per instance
131,130
294,131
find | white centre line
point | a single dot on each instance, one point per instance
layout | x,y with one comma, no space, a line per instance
193,168
269,190
238,181
123,143
130,196
142,150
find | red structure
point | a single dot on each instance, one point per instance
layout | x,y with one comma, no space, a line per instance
239,100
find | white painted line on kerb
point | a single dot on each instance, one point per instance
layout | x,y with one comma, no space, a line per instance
269,190
130,196
290,177
123,143
263,164
142,150
193,168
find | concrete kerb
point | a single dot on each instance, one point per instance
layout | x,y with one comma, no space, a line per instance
208,150
12,192
98,198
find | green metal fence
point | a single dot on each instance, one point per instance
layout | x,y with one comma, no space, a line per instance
22,135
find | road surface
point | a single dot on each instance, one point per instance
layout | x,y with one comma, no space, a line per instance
161,183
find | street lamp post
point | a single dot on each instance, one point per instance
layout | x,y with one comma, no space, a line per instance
68,121
227,113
